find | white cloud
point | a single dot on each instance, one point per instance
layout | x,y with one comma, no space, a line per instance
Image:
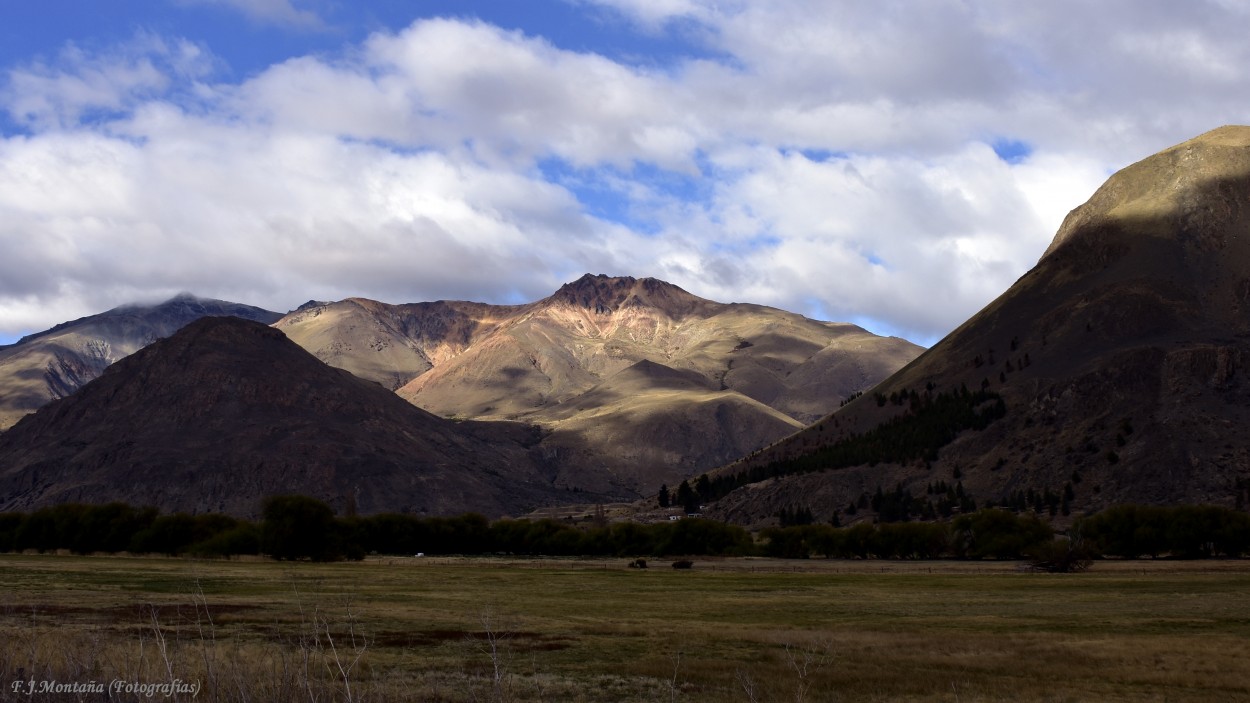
308,216
275,12
1117,79
893,239
836,160
519,97
80,83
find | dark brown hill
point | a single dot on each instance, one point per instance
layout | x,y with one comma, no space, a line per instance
753,374
1120,357
56,362
227,411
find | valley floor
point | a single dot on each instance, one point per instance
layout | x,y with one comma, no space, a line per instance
440,629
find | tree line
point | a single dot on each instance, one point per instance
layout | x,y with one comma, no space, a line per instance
985,534
1125,531
931,422
1187,531
297,527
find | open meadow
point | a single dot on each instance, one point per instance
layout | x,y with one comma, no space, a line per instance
391,629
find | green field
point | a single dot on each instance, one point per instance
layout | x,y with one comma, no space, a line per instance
543,630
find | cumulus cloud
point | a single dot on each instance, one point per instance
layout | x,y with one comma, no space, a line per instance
277,218
836,159
890,238
1108,78
522,98
79,84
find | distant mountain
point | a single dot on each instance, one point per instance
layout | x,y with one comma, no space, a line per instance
574,364
228,411
563,345
53,364
1121,361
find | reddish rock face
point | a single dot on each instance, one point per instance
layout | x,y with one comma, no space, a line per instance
592,365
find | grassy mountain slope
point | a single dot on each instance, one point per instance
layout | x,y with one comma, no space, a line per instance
1120,358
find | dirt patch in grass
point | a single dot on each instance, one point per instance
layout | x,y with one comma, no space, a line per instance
175,613
522,641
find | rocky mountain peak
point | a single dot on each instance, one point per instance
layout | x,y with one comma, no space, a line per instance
1194,192
603,294
212,359
310,305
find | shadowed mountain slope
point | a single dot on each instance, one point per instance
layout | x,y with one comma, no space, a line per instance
1120,358
752,374
53,364
227,411
653,417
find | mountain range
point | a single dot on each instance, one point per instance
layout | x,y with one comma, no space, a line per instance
636,381
1117,364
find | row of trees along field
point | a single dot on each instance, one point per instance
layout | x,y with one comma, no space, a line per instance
297,527
1127,531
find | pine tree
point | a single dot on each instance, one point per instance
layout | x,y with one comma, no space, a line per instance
703,487
687,498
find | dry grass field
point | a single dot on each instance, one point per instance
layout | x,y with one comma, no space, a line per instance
392,629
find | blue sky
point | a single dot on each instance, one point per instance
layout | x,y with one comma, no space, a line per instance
886,162
250,41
